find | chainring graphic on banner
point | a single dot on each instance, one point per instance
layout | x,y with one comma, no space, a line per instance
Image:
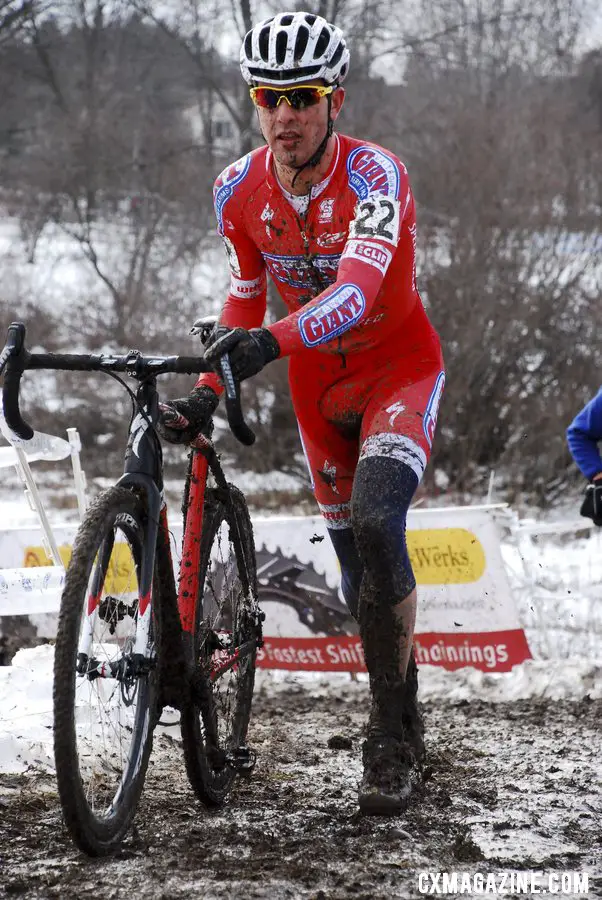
286,581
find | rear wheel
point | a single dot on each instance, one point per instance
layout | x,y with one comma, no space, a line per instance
214,728
103,725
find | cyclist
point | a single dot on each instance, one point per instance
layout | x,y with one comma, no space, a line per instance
332,220
583,436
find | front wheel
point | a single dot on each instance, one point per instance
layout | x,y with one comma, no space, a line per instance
105,693
222,650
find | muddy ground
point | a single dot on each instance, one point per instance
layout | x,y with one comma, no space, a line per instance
506,787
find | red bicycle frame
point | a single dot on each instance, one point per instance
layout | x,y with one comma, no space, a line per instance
188,583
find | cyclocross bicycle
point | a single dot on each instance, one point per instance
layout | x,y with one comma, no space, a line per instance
129,642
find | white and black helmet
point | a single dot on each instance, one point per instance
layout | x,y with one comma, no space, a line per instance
294,47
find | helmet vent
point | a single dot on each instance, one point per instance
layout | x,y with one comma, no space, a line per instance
281,42
264,44
310,19
322,43
301,44
336,55
286,20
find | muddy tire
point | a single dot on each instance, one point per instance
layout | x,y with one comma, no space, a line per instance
215,729
103,726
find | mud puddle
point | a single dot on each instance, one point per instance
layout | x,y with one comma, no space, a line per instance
507,786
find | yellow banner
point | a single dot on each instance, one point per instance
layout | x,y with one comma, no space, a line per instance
120,578
446,555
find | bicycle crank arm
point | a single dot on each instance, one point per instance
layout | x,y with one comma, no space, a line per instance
242,759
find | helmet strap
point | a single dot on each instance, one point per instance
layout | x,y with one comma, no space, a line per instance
315,158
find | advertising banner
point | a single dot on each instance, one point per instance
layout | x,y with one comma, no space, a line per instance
466,612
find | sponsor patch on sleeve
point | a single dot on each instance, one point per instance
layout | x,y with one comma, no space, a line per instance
377,217
332,316
370,171
225,184
243,289
369,252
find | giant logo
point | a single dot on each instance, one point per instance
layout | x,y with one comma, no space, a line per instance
371,171
332,316
227,181
302,272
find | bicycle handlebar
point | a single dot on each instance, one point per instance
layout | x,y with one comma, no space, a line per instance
16,359
237,424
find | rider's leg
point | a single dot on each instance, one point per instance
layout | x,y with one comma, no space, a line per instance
331,472
397,431
352,568
382,492
397,424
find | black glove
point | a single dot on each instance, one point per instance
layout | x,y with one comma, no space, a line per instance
181,420
592,504
249,351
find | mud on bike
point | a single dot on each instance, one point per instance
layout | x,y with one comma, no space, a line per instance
129,642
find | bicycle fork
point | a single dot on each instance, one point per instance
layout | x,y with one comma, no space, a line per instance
139,657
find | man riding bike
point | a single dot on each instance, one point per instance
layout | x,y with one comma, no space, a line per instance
332,219
584,434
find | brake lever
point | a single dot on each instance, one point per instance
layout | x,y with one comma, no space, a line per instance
238,426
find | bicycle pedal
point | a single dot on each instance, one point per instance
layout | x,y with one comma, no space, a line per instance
242,759
166,723
169,716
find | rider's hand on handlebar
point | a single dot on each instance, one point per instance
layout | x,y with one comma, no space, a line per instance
248,351
181,420
592,504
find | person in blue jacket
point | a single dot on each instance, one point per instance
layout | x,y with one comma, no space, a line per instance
583,437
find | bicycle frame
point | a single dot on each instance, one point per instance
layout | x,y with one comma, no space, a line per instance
143,474
204,459
142,471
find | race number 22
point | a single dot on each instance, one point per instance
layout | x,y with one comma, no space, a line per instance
377,217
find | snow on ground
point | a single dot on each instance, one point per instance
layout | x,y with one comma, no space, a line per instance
26,695
557,583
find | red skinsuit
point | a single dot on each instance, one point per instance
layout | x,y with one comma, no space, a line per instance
366,372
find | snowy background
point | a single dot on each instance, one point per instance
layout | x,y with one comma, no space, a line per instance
555,569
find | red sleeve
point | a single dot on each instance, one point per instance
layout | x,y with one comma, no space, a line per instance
246,302
373,240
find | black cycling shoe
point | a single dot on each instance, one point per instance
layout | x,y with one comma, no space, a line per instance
386,785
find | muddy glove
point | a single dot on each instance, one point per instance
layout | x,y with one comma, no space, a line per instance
249,351
180,421
592,504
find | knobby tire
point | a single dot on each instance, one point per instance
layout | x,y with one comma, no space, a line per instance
82,793
225,597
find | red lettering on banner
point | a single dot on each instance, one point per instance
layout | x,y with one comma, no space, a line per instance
489,651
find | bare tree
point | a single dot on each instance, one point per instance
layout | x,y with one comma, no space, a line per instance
196,26
113,167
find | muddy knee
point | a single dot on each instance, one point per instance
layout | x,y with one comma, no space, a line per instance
382,491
